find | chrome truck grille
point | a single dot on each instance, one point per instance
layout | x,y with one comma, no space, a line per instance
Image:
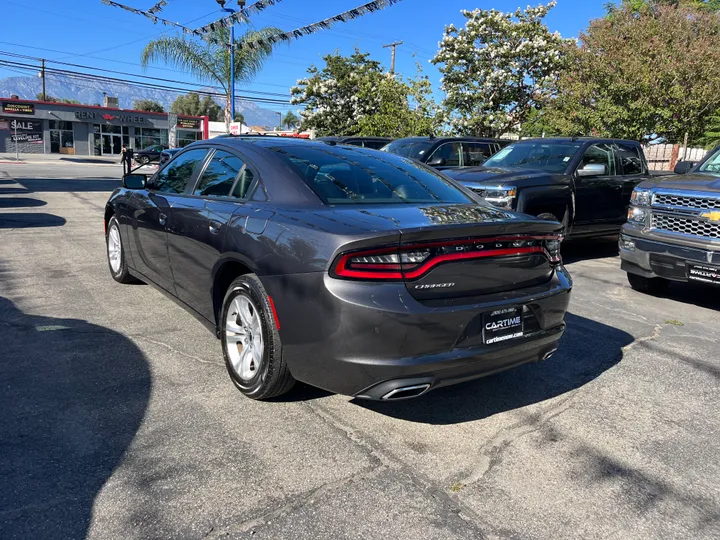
685,212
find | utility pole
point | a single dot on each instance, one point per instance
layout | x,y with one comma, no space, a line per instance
42,76
241,4
392,54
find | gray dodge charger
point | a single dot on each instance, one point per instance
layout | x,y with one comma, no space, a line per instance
354,270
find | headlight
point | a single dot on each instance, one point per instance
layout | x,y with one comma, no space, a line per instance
638,216
501,196
640,197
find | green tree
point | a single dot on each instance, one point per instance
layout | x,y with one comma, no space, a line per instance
209,60
641,76
53,99
712,132
239,117
498,68
147,105
192,105
290,120
644,6
352,95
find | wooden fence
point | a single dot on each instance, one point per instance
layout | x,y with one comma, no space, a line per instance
664,157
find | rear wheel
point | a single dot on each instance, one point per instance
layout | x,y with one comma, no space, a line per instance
548,216
251,342
143,160
647,285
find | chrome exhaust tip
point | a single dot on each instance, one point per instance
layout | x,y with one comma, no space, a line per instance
549,354
406,392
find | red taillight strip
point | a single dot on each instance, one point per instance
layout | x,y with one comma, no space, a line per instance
342,270
508,252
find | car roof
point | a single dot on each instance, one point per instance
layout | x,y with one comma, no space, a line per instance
562,140
340,138
445,139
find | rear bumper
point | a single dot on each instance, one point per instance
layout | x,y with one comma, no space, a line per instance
366,339
658,258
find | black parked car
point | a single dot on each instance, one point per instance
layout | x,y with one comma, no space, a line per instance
166,155
149,154
357,271
584,183
365,142
447,152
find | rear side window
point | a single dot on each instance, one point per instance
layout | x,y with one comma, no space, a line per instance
476,153
219,176
344,175
174,177
376,145
630,159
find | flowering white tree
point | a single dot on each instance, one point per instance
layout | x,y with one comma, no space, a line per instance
498,69
352,95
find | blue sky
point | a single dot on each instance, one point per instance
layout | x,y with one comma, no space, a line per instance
90,33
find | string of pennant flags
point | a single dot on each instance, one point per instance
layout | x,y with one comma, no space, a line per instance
157,8
243,14
370,7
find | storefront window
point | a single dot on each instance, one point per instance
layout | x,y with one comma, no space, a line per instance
62,140
61,125
145,137
185,137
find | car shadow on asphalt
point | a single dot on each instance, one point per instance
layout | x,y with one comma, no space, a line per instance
20,202
584,249
95,184
73,396
587,350
21,220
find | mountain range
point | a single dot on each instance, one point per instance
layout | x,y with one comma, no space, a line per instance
91,92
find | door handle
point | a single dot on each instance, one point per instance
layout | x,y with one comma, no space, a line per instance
214,227
162,219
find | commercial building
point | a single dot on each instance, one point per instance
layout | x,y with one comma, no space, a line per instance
41,127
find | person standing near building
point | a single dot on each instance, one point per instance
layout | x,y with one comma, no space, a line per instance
127,157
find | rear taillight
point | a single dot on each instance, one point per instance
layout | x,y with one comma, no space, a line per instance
414,261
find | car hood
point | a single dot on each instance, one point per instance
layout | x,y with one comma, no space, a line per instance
692,182
499,176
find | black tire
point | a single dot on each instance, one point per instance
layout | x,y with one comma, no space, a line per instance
548,216
143,160
646,285
273,377
122,274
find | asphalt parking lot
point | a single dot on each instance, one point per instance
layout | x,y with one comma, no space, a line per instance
119,421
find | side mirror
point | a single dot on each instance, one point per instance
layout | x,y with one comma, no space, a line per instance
683,167
436,161
134,181
593,169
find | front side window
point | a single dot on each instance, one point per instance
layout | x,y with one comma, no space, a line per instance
174,177
448,155
410,149
476,153
711,164
553,157
219,176
354,176
599,154
630,159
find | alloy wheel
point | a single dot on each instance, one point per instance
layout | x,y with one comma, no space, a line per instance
244,337
114,247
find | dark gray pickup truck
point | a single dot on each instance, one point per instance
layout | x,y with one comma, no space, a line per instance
584,183
673,228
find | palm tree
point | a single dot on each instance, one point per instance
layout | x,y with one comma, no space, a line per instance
239,117
208,61
290,119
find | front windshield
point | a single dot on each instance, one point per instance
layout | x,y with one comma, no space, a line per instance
409,149
548,156
712,163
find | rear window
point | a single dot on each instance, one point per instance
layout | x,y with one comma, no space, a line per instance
345,175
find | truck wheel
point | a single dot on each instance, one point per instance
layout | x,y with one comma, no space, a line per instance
547,216
647,285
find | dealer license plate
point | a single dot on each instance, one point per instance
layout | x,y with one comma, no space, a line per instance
706,274
502,325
